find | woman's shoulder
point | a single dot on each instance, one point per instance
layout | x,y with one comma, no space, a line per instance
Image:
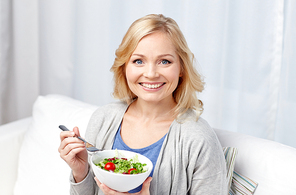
192,129
114,107
197,135
198,126
108,113
190,120
103,119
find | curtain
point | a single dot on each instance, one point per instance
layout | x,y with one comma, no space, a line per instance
19,68
244,49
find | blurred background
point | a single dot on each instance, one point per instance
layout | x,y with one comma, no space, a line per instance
245,49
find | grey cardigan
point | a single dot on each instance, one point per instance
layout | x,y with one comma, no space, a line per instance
191,160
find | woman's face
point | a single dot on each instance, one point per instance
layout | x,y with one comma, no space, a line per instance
153,70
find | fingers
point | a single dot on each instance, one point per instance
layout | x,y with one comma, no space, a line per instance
144,191
102,186
145,187
71,148
67,138
106,190
97,181
65,134
69,134
76,131
70,145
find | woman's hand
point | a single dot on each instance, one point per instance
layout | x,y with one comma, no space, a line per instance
73,151
107,191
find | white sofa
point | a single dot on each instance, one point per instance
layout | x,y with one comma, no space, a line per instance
30,162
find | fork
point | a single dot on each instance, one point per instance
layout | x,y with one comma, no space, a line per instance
89,147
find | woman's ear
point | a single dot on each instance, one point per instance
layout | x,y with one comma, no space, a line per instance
181,72
180,80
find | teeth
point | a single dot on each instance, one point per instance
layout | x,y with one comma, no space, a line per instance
151,86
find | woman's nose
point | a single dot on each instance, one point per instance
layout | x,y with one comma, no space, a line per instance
151,71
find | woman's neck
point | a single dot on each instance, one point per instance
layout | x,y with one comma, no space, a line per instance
153,111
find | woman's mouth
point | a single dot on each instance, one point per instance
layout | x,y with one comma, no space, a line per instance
152,86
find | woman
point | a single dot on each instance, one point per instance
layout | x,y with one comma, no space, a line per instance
158,116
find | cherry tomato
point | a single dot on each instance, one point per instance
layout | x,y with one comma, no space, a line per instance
110,166
130,170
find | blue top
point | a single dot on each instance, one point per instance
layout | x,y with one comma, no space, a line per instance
150,152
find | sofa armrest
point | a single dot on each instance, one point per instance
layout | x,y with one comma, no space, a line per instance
11,137
270,164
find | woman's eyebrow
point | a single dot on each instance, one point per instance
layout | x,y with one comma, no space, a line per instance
140,55
160,56
165,55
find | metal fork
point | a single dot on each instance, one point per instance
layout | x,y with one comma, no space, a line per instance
89,147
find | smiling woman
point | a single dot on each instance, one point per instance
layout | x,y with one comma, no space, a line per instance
153,71
158,117
189,83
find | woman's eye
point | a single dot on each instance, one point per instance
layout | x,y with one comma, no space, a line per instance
138,61
165,62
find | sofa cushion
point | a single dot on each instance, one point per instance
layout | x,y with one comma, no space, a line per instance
230,156
242,185
39,151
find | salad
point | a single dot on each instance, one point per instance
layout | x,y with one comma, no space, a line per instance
122,165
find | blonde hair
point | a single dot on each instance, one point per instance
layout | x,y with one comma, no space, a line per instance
189,83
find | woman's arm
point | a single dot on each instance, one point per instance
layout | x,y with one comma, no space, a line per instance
209,176
73,152
87,186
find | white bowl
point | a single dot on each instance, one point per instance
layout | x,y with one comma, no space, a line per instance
117,181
